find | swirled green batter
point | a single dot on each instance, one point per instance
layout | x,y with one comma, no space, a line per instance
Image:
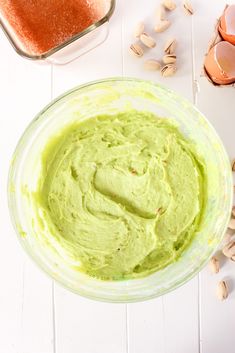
120,196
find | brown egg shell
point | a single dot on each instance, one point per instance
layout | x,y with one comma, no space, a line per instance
227,24
220,63
228,37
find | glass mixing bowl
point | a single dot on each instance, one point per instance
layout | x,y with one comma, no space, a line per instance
109,97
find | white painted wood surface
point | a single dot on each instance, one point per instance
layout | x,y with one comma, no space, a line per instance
38,316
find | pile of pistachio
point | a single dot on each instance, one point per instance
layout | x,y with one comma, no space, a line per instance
167,65
228,251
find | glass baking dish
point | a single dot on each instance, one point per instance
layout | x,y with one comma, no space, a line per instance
55,31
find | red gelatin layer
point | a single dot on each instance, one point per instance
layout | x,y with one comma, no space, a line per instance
38,26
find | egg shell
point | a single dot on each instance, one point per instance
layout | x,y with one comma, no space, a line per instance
220,63
227,24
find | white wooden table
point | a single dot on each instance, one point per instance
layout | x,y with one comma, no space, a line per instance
36,314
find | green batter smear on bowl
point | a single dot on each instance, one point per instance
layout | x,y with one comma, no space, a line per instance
120,196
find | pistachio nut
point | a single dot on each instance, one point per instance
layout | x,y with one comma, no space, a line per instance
136,50
214,265
233,165
187,6
139,29
170,46
168,70
169,59
229,250
147,40
233,211
152,65
222,290
227,237
161,26
160,13
231,224
170,5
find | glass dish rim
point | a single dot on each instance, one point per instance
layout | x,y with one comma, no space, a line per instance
20,146
52,51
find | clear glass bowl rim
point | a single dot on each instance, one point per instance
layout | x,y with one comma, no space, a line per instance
23,140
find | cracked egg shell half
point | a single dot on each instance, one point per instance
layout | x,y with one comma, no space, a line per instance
220,63
227,24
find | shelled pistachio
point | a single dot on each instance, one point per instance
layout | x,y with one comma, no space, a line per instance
214,264
222,290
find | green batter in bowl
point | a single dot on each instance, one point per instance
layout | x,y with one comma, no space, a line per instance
115,190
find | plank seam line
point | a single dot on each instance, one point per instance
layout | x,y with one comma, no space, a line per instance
122,40
195,84
126,305
127,329
199,313
195,88
53,316
164,323
53,283
23,295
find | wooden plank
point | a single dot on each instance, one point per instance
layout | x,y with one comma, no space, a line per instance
181,328
87,326
169,324
217,318
218,105
82,325
146,327
25,298
37,331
